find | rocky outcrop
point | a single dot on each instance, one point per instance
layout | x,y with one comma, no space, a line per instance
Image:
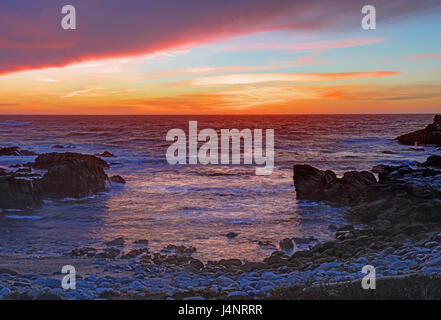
433,161
48,160
402,195
15,151
317,185
18,193
72,179
68,175
430,135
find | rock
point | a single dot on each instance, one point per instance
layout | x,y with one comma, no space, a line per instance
197,264
316,185
72,179
433,161
14,151
141,241
106,154
109,253
116,242
57,146
397,210
89,252
117,179
231,235
287,244
430,135
8,271
18,193
49,160
228,263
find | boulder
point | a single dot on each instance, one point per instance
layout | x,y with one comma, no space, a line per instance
317,185
15,151
71,178
287,244
430,135
18,193
433,161
117,179
48,160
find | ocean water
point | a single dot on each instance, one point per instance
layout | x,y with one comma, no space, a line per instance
195,204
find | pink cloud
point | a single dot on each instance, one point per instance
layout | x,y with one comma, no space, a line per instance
106,29
426,56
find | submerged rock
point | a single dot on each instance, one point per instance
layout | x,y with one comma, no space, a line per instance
116,242
430,135
117,179
106,154
317,185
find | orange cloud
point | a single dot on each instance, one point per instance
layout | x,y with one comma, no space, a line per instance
251,78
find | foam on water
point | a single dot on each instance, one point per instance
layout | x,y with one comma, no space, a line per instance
194,204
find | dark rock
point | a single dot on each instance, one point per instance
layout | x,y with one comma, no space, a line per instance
18,193
14,151
109,253
49,160
397,210
314,184
298,240
231,235
106,154
8,271
430,135
134,253
141,241
286,244
347,227
433,161
116,242
179,250
117,179
57,146
229,263
266,244
197,264
72,179
79,252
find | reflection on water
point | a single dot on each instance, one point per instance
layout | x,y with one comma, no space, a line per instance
194,204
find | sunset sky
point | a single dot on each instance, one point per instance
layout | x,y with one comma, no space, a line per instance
219,57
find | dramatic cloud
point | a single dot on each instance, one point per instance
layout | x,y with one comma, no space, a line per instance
31,35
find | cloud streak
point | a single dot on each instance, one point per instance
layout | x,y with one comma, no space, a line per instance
108,29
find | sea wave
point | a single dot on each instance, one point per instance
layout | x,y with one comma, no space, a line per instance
17,217
14,123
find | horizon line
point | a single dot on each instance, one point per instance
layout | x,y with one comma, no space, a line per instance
217,114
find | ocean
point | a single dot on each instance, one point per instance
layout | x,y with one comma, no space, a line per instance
196,205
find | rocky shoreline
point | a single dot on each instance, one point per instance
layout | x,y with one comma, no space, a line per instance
395,227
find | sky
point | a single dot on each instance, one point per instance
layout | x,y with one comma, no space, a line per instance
220,57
